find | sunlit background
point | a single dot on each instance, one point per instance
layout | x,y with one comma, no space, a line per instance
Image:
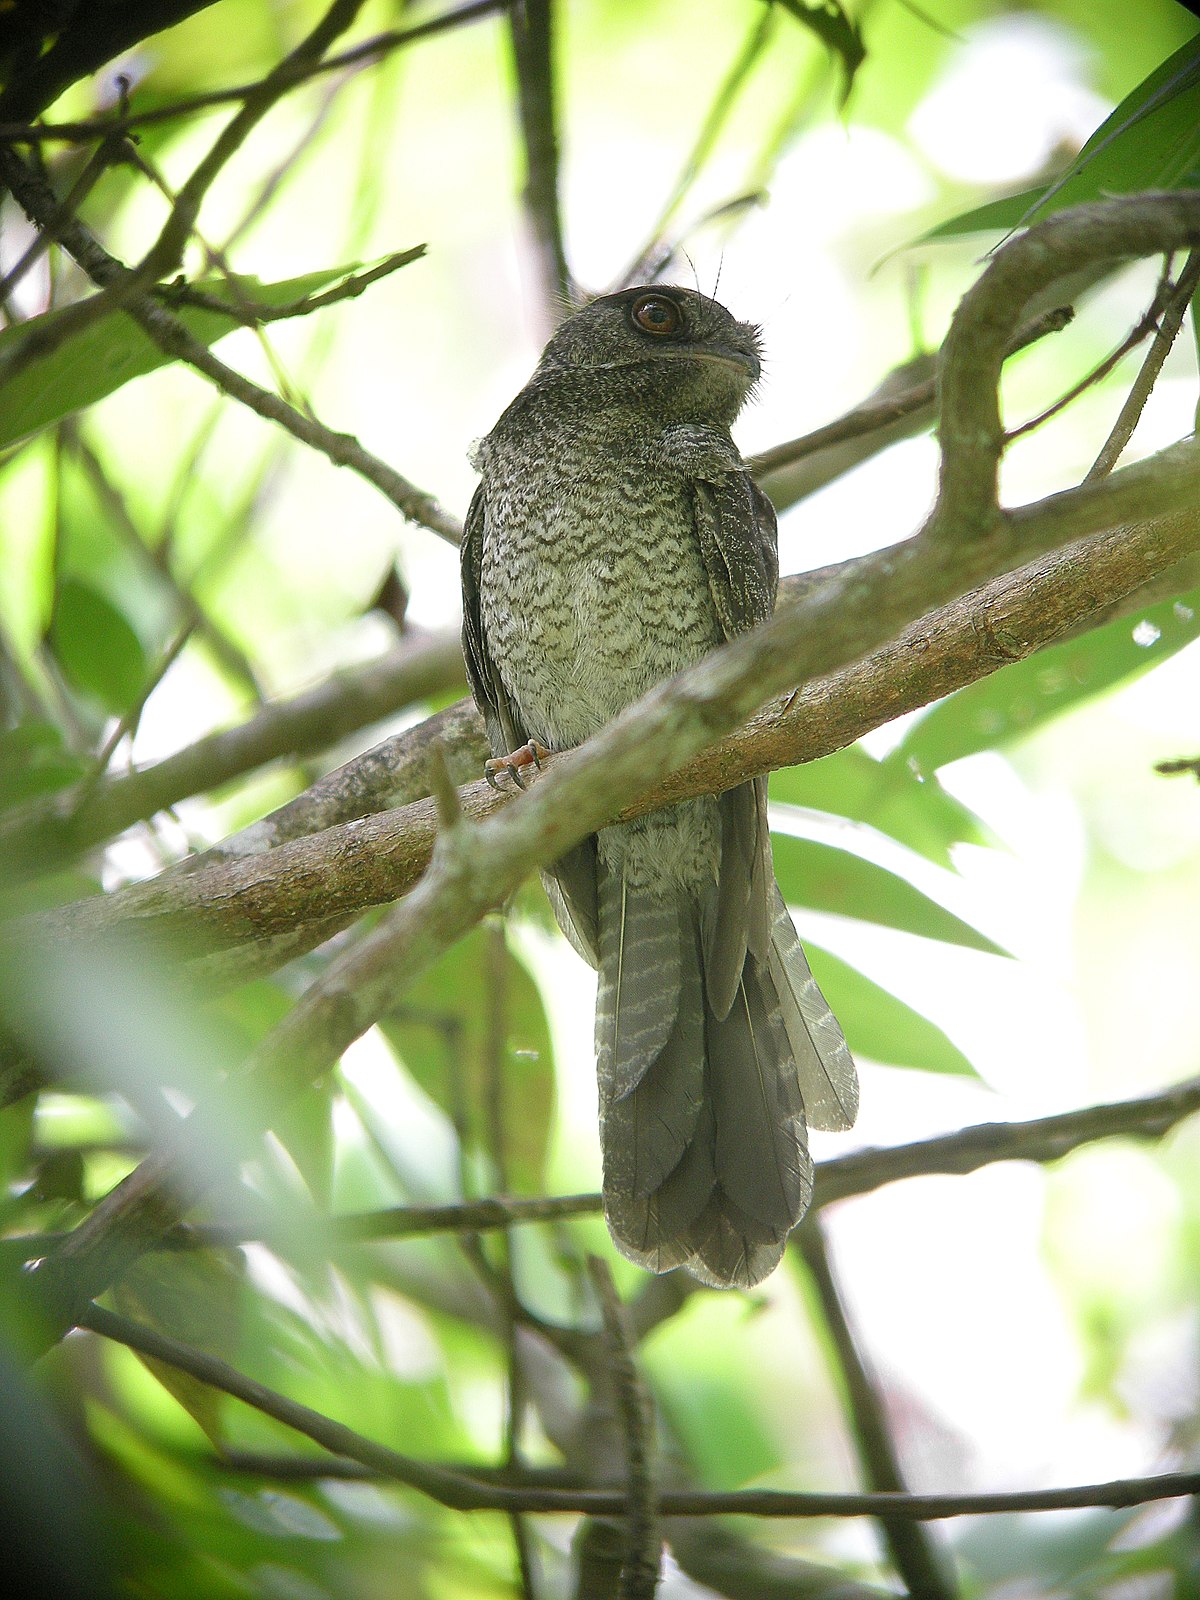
1028,1325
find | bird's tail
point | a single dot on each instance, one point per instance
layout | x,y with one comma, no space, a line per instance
703,1116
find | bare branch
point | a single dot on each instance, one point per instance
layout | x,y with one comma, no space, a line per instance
643,1546
903,404
134,297
1043,1139
972,435
924,1568
462,1493
379,857
370,50
1177,302
531,32
420,666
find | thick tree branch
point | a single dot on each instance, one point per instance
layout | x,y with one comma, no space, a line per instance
421,665
971,431
368,861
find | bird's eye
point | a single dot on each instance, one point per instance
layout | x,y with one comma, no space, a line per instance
654,313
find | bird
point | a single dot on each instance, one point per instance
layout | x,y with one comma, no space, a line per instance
614,539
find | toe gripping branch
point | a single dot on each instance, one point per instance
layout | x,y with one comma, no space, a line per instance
529,755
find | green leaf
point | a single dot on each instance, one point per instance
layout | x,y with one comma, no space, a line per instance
829,879
34,761
110,351
1151,141
888,795
838,32
879,1025
1023,696
443,1036
95,646
305,1129
193,1295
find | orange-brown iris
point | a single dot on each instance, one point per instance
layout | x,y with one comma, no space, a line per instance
655,313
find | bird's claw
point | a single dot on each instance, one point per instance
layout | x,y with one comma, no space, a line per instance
529,755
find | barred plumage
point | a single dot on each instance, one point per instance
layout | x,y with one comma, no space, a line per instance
615,538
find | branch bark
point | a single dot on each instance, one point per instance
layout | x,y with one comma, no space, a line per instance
370,860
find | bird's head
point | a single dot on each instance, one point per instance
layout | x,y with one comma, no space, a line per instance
678,351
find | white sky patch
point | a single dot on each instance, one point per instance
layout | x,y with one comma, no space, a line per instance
1012,94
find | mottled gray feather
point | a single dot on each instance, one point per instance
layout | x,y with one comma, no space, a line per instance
640,936
825,1067
616,538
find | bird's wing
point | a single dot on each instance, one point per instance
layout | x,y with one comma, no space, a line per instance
504,727
735,523
571,880
736,526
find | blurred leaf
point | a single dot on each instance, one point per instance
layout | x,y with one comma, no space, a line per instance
305,1129
828,879
305,1125
193,1295
879,1025
1151,141
1026,694
33,761
835,29
283,1515
110,351
95,646
887,794
1050,1551
443,1038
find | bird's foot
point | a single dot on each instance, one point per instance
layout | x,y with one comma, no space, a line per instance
529,755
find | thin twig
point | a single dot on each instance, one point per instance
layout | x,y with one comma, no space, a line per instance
173,337
918,1561
643,1543
253,313
1043,1140
495,1053
108,153
878,414
464,1493
531,31
378,46
123,288
1183,764
227,652
1177,302
649,261
1143,330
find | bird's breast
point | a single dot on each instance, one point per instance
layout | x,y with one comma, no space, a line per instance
592,591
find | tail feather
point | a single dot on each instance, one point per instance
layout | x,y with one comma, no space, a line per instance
647,1124
640,974
825,1067
727,1250
762,1161
704,1104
